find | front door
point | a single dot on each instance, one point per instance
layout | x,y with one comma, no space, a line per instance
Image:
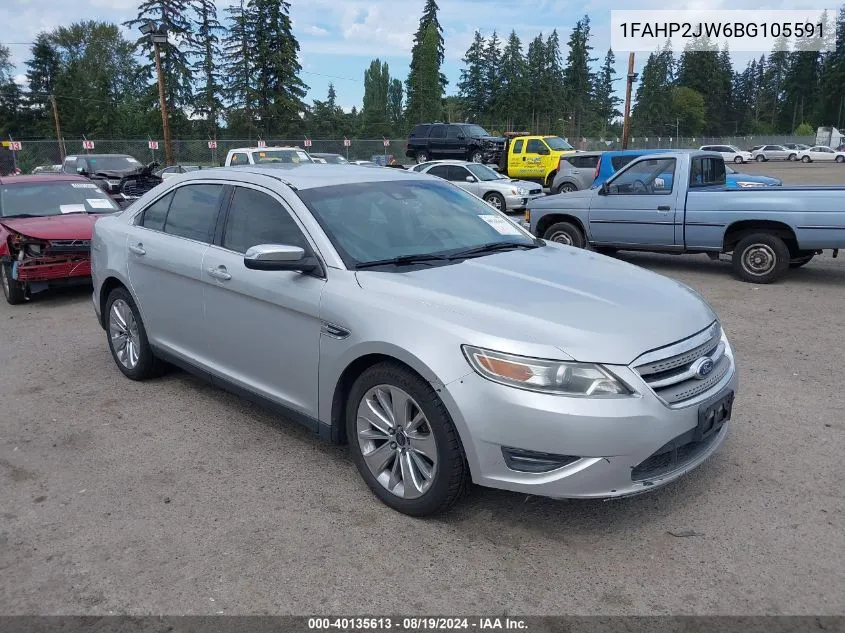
534,160
638,206
455,146
516,159
264,325
166,248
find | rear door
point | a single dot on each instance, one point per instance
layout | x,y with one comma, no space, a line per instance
437,142
264,325
639,206
166,246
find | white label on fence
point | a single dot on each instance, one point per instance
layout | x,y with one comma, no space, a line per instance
88,144
99,203
347,142
82,185
153,144
212,145
262,144
386,143
308,142
500,225
15,146
72,208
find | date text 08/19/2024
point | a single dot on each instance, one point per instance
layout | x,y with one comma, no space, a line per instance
416,624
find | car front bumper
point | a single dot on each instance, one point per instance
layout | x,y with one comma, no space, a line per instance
615,440
518,203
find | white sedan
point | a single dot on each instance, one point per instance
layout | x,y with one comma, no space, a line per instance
821,153
731,153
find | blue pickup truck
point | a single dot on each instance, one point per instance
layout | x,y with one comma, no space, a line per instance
678,202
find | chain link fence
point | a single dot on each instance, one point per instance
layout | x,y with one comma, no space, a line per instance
36,153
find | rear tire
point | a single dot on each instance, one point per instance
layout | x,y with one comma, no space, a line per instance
565,233
738,160
475,156
422,157
449,471
805,159
496,200
760,158
13,290
840,159
793,157
566,187
760,258
121,331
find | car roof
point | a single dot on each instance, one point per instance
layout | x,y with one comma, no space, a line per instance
97,155
321,154
35,178
450,161
307,175
262,149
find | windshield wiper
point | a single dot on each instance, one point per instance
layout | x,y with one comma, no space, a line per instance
492,247
20,215
403,260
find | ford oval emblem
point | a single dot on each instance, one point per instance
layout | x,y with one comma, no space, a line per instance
702,367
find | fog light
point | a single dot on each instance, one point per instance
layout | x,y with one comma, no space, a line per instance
535,462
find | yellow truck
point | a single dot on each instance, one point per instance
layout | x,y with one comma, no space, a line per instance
534,158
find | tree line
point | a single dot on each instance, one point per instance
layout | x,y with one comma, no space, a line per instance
237,75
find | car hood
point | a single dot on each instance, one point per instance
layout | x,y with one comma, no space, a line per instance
55,227
574,200
591,307
509,183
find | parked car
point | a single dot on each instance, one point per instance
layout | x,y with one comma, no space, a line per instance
612,161
45,231
503,193
645,207
47,169
266,155
421,326
731,153
576,172
773,152
799,147
821,153
121,176
365,163
332,159
534,158
173,170
464,141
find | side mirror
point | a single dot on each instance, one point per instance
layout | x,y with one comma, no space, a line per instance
280,257
470,179
544,152
81,170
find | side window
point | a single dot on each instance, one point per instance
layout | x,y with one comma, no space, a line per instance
437,131
441,171
647,177
707,171
421,131
517,147
239,159
70,165
536,146
452,132
256,218
193,212
154,215
458,173
81,162
618,162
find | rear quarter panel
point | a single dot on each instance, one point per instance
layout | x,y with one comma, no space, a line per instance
108,252
816,215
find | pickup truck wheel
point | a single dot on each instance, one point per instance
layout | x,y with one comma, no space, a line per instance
475,156
404,442
422,157
800,261
805,159
14,291
760,258
565,233
495,200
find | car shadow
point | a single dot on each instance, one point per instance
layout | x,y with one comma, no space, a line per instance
61,295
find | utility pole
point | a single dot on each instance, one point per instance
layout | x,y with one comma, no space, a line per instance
158,35
59,139
626,122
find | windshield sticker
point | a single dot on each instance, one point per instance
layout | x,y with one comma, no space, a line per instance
500,225
83,185
72,208
99,203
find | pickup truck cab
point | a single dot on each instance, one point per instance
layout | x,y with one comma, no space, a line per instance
534,158
678,202
266,155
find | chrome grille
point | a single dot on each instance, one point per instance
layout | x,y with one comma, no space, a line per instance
535,192
673,377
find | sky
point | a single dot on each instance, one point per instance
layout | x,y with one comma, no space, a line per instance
339,38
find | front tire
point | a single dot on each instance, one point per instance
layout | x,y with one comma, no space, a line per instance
793,157
738,160
403,441
422,157
760,258
496,200
840,159
128,339
760,158
565,233
13,290
805,159
475,156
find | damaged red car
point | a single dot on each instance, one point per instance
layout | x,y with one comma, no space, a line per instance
45,231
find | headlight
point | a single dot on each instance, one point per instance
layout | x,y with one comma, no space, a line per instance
548,376
745,183
520,191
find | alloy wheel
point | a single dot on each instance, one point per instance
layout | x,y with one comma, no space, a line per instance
396,441
494,201
123,332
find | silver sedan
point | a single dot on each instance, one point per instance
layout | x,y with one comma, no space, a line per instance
501,192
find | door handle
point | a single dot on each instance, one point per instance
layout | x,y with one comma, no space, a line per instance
219,273
138,249
664,207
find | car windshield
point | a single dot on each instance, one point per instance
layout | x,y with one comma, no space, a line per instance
111,163
53,198
557,144
476,130
734,148
281,156
334,159
374,221
485,173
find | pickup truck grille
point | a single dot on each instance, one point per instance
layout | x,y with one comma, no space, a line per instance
137,186
683,375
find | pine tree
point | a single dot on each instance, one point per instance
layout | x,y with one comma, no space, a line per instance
512,101
205,48
831,102
471,87
238,65
395,97
425,83
11,98
605,102
492,75
535,62
374,123
42,69
653,106
577,77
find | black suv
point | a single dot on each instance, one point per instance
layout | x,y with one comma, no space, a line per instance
461,141
119,175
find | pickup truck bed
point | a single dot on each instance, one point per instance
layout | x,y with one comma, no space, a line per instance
766,229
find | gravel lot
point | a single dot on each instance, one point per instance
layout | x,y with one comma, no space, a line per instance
171,497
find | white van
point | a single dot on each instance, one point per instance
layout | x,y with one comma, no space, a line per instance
266,156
